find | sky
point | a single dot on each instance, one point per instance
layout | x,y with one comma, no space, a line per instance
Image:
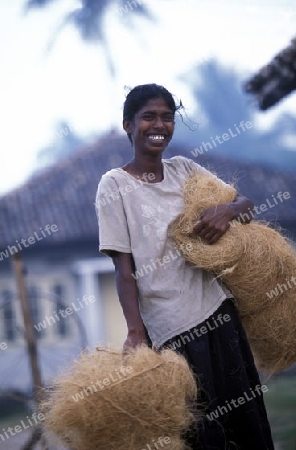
44,80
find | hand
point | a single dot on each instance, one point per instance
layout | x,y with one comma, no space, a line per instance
212,223
134,339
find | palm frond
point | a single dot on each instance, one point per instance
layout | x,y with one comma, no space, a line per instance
276,80
88,19
37,4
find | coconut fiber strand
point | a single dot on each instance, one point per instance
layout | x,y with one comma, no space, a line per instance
251,259
125,401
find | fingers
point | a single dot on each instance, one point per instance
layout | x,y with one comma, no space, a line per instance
206,229
212,223
210,230
130,344
214,238
198,225
127,350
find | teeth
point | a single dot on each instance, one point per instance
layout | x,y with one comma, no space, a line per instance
157,137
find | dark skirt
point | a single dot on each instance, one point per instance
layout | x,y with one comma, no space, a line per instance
231,389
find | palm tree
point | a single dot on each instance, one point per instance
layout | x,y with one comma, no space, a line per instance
218,94
89,18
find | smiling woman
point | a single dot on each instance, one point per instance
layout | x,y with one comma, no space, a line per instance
152,129
165,305
148,101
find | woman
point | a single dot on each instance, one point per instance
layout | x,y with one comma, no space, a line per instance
180,306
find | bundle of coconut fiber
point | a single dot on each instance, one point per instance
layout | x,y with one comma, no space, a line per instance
252,260
109,400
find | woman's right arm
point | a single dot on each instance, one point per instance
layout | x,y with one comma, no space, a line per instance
128,296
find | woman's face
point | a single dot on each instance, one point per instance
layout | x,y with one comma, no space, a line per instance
152,127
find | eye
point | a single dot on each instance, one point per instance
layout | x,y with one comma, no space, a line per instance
148,116
168,118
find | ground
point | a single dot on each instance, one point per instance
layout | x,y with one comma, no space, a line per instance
280,402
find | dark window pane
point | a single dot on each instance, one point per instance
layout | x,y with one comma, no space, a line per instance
62,324
36,309
8,315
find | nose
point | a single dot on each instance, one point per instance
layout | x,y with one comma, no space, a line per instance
158,123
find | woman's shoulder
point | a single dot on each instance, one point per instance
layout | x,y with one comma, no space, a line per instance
180,162
109,180
178,159
113,175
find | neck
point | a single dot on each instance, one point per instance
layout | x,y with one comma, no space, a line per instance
142,165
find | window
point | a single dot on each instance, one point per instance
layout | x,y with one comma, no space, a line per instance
34,303
8,316
63,323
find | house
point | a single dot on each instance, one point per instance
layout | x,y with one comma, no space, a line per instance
51,222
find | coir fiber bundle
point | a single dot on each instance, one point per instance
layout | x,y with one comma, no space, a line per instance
109,400
251,259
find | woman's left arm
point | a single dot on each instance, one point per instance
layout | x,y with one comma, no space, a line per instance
212,223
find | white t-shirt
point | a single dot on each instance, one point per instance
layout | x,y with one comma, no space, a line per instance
134,216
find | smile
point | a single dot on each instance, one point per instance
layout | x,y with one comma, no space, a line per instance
157,137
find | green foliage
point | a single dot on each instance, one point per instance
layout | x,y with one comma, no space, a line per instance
280,402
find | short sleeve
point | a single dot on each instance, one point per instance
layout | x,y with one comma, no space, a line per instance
191,166
113,228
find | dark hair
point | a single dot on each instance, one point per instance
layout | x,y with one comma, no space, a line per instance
141,94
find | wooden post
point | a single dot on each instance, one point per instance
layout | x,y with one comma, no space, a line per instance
28,324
